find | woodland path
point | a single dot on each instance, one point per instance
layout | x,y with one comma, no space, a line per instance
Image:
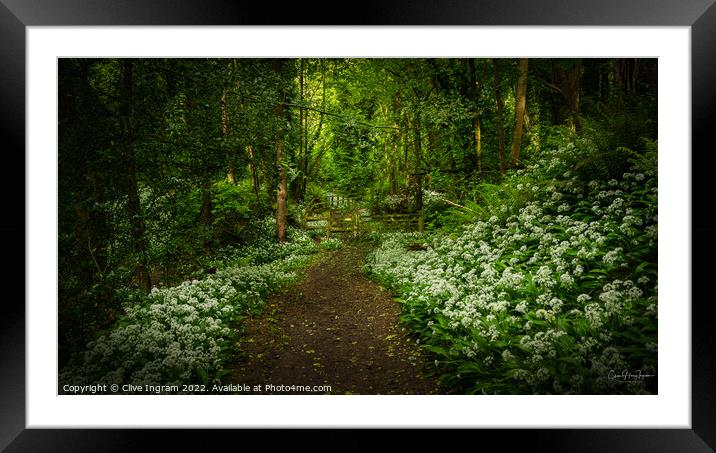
333,327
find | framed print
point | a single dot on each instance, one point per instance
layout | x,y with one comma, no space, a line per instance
470,192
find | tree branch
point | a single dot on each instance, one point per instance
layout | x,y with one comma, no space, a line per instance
338,115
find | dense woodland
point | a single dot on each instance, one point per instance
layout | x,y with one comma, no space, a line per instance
183,183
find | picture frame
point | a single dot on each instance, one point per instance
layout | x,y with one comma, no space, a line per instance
16,15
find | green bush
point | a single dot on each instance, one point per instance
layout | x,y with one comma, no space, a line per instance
546,296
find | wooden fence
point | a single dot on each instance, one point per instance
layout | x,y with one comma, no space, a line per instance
357,221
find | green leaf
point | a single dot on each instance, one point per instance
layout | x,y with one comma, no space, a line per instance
640,268
470,368
571,360
436,350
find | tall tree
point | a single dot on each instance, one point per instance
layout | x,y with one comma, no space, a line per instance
476,113
568,75
417,145
311,162
521,103
500,116
282,189
134,209
302,154
230,173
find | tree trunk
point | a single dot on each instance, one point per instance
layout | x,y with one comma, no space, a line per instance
394,165
91,226
302,139
432,141
604,87
406,143
281,195
476,116
83,249
521,103
282,190
134,209
311,162
592,68
304,161
500,117
568,81
254,172
417,146
206,217
230,174
401,133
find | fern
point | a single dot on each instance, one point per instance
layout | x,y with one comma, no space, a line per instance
646,162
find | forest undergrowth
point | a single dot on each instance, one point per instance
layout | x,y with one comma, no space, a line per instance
187,333
551,286
182,184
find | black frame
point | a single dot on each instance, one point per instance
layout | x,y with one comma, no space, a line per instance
15,15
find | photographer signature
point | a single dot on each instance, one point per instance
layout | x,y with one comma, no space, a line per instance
626,375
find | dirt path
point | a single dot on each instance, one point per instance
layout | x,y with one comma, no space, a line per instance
337,328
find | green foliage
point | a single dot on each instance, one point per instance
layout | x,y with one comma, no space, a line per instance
546,300
232,208
602,165
646,162
626,121
186,334
169,131
549,137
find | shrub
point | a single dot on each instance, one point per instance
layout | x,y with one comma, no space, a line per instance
545,297
186,333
